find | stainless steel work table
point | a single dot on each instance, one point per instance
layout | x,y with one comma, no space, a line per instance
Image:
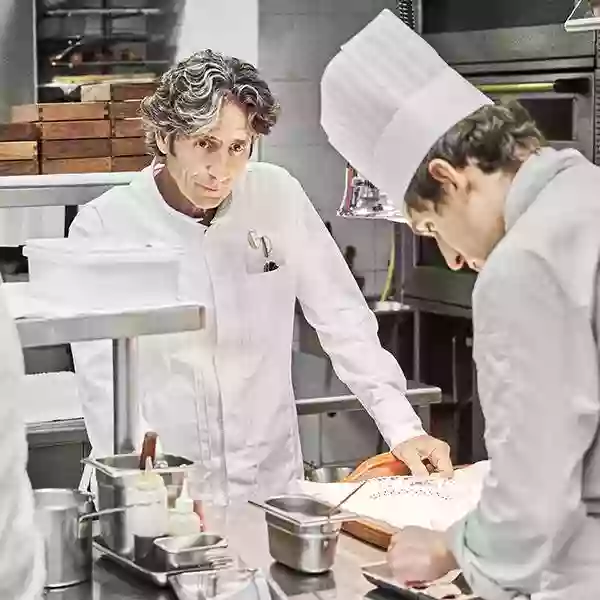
247,535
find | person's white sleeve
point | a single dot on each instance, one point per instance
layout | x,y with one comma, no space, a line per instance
334,305
537,376
93,360
21,547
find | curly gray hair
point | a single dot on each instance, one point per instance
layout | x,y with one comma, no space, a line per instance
190,95
490,138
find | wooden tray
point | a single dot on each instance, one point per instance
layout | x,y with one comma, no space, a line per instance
77,165
124,110
127,128
53,149
19,167
59,111
18,132
70,130
117,91
128,146
18,150
130,163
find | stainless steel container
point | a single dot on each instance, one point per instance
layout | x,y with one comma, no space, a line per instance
116,476
328,474
67,537
189,551
303,533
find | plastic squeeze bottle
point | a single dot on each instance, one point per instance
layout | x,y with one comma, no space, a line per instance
182,519
151,518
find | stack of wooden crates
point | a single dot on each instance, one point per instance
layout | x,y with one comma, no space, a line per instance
100,134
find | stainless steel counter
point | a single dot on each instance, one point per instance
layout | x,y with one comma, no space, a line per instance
246,531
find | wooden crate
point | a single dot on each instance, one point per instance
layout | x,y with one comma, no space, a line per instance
109,91
53,149
130,163
19,167
18,150
127,128
77,165
59,111
18,132
135,146
71,130
124,110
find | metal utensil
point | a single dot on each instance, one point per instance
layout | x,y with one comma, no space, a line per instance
337,507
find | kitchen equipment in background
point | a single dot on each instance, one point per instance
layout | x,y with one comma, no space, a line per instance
64,518
585,17
326,474
189,551
517,36
116,476
303,534
561,103
67,538
362,200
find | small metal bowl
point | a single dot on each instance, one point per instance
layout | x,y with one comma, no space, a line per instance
328,474
189,551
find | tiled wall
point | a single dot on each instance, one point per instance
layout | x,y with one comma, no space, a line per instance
296,40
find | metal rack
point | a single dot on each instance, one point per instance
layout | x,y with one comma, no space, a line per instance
122,327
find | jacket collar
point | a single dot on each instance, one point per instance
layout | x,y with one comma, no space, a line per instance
145,184
533,177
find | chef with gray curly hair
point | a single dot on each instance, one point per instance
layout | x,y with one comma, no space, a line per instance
253,244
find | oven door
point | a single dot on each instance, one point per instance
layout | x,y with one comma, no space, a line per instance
425,279
504,32
561,105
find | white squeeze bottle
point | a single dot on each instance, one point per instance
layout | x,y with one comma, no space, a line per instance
182,519
151,518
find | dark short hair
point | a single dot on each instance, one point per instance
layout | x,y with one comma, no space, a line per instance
190,95
490,137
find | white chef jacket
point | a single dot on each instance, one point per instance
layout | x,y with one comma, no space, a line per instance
242,359
21,551
536,315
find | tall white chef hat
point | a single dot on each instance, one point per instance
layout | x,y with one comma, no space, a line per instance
387,97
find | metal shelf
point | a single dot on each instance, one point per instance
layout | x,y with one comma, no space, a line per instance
53,331
109,63
71,189
107,12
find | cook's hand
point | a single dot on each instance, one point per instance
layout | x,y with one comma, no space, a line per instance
418,555
424,447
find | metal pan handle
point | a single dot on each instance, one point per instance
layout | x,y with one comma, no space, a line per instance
575,85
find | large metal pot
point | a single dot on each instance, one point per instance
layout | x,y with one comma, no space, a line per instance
63,518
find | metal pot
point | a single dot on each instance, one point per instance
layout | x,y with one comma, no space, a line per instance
63,518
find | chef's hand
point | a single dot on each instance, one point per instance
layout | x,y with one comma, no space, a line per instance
424,447
418,555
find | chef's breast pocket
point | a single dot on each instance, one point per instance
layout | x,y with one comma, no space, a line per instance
269,299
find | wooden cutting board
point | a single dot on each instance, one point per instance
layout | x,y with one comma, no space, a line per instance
18,132
130,163
77,165
135,146
53,149
59,111
127,128
117,91
18,150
